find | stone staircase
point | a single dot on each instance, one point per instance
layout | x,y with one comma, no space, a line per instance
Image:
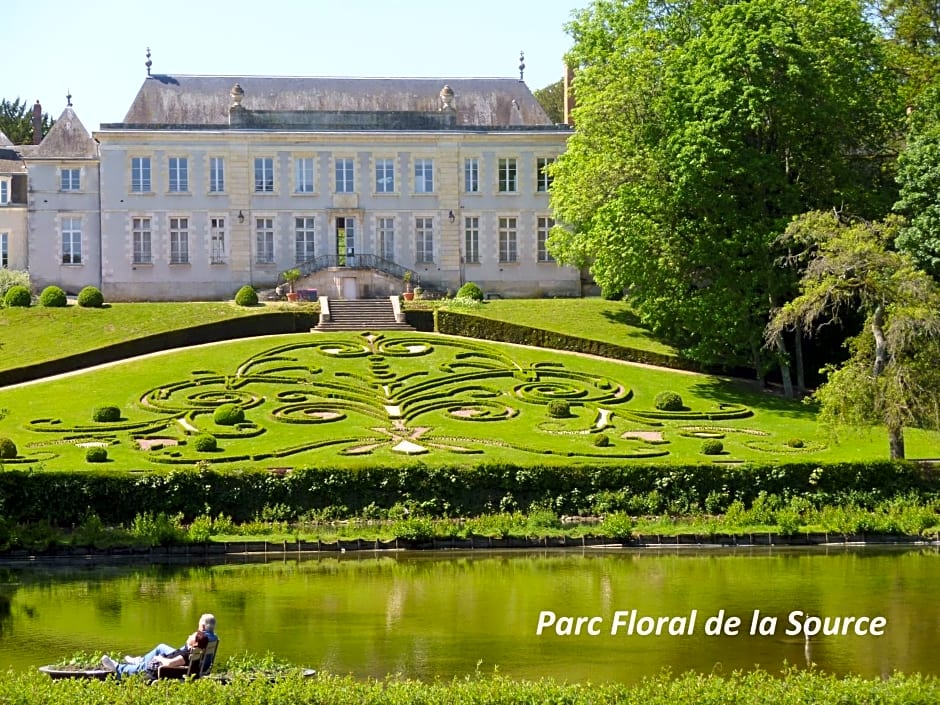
360,314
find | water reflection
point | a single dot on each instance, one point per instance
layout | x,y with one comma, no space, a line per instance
430,615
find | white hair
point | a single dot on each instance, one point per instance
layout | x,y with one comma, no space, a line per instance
208,622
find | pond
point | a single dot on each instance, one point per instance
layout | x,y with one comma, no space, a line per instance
426,615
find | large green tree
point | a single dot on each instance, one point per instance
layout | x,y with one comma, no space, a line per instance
552,100
702,127
891,378
16,121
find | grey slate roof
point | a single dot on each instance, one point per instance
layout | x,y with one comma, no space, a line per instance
4,140
10,161
67,139
205,100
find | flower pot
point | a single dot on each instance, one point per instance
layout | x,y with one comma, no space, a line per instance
293,296
409,295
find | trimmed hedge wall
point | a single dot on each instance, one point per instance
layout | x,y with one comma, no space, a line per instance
65,498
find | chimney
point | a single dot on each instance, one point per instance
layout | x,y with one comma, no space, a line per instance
37,123
569,94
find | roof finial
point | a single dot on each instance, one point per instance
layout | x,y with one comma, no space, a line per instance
68,99
521,63
149,62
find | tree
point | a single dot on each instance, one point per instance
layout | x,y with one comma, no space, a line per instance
16,121
891,377
552,100
702,127
912,33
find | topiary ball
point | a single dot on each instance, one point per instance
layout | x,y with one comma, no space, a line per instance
559,409
601,440
53,297
205,443
90,297
795,443
96,454
228,415
712,447
668,401
106,414
18,295
470,290
7,449
246,296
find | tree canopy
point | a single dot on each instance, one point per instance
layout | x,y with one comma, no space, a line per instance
552,100
16,121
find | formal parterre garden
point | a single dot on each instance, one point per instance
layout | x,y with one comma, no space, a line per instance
297,400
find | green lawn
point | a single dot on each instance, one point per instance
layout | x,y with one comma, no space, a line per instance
343,399
37,334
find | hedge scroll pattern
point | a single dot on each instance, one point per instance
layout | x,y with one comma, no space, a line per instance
410,394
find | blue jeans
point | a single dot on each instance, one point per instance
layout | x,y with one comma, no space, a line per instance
129,669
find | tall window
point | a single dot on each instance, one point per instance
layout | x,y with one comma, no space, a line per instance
507,176
140,229
544,227
345,181
303,240
264,175
424,240
386,231
424,176
71,241
70,179
179,240
303,175
507,240
385,176
140,174
471,239
217,240
264,240
4,191
471,175
544,179
216,174
179,174
4,250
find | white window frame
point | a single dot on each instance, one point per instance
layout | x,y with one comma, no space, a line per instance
344,171
216,174
471,239
424,239
385,233
4,250
264,174
217,240
142,239
508,175
544,225
305,237
543,181
179,239
264,240
71,231
304,175
508,232
424,175
384,175
177,174
70,179
141,175
471,175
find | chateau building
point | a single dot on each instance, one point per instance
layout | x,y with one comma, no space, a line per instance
213,182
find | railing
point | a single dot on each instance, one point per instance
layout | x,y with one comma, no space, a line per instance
361,261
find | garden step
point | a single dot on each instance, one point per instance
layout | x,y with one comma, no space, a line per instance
361,314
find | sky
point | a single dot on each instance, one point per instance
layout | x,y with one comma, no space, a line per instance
96,49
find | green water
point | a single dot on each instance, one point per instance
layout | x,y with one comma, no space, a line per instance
427,615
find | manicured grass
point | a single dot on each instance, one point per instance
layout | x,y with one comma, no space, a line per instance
346,400
37,334
591,318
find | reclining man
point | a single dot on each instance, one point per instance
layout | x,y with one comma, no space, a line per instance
166,655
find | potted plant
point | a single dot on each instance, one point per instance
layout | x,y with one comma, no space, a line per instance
406,277
291,276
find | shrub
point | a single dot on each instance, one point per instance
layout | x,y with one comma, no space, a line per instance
246,296
7,449
668,401
205,443
601,440
712,446
10,278
470,290
228,415
559,409
795,443
53,297
106,414
18,296
90,297
96,454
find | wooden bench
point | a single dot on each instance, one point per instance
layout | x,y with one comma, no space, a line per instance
200,663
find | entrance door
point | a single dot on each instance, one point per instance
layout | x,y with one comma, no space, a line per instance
350,288
345,241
